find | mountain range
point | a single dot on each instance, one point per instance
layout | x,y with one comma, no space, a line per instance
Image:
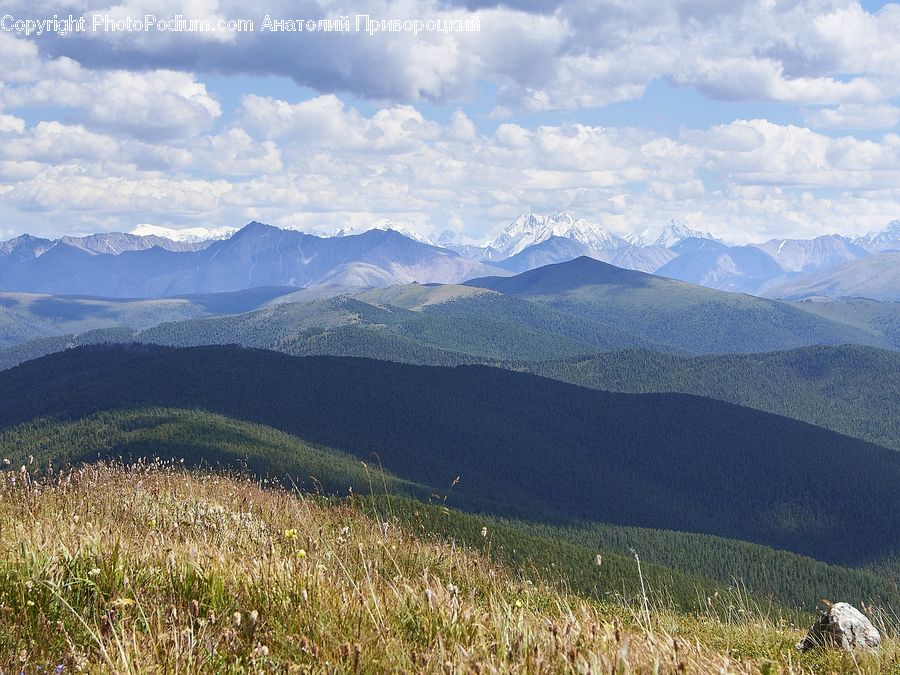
256,255
152,261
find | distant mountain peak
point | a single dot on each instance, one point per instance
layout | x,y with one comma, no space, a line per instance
255,225
887,239
450,238
187,234
384,225
533,228
672,233
562,217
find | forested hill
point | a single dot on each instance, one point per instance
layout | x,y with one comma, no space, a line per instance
851,389
682,316
657,460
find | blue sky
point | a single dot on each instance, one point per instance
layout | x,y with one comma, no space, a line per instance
752,120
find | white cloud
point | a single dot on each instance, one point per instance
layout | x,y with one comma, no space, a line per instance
856,116
10,124
148,105
144,140
572,54
325,121
321,163
235,153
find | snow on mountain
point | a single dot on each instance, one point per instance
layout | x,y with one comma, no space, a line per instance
466,246
799,255
452,238
186,234
385,225
532,228
671,233
114,243
886,240
25,246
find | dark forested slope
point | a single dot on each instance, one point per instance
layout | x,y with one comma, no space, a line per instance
527,443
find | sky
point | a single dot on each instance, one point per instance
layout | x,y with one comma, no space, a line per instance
751,120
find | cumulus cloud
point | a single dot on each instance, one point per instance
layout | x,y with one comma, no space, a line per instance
10,124
541,56
320,163
327,121
150,105
856,116
142,139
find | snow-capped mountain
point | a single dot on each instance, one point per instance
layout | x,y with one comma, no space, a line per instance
799,255
451,238
532,228
25,246
186,234
466,246
384,225
887,239
114,243
671,233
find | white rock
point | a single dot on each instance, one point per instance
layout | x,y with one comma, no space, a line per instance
842,626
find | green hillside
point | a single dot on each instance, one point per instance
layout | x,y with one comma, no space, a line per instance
29,316
523,445
879,318
17,326
681,568
853,390
490,332
676,314
153,568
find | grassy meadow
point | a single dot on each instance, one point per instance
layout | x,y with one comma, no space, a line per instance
152,568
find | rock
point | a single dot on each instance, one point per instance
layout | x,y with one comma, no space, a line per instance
841,626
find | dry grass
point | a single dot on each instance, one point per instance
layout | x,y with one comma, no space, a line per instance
151,569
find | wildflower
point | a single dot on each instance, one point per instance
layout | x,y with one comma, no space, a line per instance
254,616
301,553
260,652
598,560
290,534
151,522
94,571
121,603
518,604
6,462
30,603
236,618
484,532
